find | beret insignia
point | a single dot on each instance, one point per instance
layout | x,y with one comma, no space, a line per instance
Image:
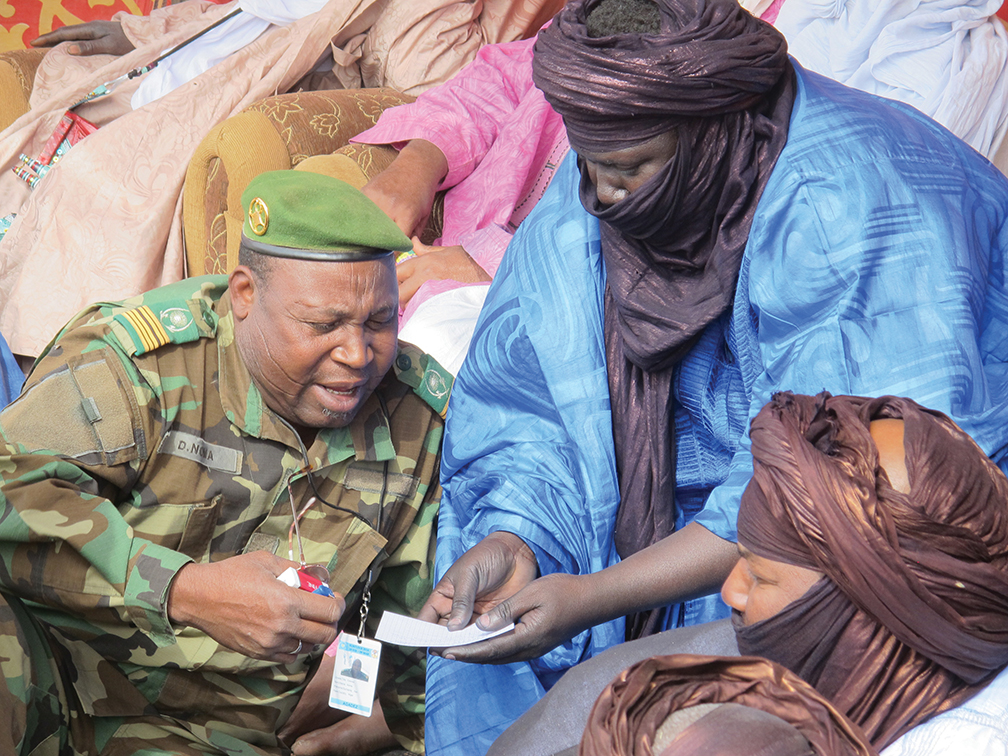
258,215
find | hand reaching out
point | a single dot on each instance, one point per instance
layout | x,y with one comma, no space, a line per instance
549,611
436,264
496,579
92,38
239,603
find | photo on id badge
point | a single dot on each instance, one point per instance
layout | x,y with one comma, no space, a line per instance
355,674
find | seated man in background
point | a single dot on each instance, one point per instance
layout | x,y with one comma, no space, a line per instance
731,226
874,564
490,139
127,237
171,455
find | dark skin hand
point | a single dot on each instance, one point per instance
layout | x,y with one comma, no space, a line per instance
265,620
92,38
491,571
405,190
351,736
315,729
436,264
552,609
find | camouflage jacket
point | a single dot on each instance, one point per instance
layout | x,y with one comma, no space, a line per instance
140,443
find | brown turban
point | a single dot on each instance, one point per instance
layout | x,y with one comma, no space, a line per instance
913,618
632,716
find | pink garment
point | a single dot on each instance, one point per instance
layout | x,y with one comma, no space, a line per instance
106,222
502,141
771,13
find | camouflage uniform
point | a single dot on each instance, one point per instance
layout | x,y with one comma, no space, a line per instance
140,444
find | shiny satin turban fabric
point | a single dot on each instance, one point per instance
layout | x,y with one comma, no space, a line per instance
911,617
688,705
672,249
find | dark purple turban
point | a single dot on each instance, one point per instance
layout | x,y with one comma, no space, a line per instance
711,58
913,616
672,249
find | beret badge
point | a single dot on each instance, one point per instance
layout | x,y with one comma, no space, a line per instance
258,215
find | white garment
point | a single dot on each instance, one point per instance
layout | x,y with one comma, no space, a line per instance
206,52
978,727
443,325
947,58
756,7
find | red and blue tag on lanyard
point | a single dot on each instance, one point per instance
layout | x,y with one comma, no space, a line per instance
300,578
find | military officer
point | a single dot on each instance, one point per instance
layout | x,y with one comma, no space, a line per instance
172,454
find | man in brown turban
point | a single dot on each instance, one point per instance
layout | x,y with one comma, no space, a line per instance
688,705
874,543
874,557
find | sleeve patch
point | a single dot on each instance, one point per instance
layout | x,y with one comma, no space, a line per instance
85,413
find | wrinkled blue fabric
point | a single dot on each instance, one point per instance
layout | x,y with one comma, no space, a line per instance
874,265
11,377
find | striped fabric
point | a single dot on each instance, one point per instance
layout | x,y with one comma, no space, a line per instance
144,328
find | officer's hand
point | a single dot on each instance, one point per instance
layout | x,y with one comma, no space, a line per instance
436,264
239,603
494,569
405,190
548,612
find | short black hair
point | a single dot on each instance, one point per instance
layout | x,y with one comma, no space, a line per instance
257,262
624,17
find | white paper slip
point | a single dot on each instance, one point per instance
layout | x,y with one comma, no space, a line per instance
407,631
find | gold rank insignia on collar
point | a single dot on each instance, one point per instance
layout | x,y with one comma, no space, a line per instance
145,329
258,215
175,314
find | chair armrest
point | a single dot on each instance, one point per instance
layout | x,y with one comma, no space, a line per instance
17,79
274,134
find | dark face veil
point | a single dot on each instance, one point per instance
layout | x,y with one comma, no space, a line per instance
722,80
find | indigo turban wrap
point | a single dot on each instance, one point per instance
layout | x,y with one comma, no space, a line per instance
711,58
631,717
672,249
912,617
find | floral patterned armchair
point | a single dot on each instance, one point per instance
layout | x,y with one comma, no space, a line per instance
17,77
277,133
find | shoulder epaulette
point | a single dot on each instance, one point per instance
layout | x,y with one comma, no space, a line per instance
174,314
425,376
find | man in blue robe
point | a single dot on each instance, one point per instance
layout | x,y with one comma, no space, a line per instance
791,234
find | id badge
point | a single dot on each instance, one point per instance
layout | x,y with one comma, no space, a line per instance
355,674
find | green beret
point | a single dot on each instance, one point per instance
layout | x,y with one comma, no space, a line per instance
309,216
